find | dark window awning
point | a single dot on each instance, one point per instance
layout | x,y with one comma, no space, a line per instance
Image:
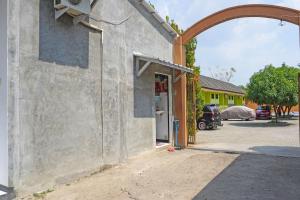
143,62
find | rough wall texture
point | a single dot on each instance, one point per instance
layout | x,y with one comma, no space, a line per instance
64,119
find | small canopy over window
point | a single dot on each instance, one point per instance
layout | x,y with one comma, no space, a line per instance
143,62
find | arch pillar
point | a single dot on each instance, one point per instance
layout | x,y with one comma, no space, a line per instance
180,92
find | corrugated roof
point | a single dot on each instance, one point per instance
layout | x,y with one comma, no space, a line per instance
156,16
162,62
214,84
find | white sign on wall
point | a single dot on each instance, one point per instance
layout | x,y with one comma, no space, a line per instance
3,95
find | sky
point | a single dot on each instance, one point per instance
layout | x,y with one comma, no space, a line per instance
247,44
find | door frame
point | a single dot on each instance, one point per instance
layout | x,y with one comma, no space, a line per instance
170,107
3,93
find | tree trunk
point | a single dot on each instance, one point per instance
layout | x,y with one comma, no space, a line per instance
282,111
275,107
285,109
289,109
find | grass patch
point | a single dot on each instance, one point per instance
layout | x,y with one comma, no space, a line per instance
42,195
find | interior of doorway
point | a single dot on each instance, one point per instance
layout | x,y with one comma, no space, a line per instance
162,109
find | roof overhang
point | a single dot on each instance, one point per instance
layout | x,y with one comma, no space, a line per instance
143,62
206,89
156,16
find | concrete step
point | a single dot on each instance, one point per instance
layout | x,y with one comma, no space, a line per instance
163,147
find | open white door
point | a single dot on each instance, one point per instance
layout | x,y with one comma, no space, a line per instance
3,95
162,103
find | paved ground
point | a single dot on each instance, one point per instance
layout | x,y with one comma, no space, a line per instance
189,174
158,175
256,177
202,174
253,136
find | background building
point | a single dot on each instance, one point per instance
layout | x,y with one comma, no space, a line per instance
221,93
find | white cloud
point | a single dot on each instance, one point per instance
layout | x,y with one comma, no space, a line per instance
163,8
247,44
290,3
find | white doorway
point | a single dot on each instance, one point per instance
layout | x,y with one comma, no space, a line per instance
163,108
3,95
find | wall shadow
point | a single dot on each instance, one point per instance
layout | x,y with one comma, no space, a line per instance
144,90
289,118
252,177
144,93
277,150
260,124
61,41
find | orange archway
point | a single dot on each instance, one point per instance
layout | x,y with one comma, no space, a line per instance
250,10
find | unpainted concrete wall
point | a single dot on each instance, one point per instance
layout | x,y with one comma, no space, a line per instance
71,109
129,134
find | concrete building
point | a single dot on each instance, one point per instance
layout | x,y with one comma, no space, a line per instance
221,93
77,97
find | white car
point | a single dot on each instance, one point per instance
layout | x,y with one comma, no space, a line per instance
238,112
294,114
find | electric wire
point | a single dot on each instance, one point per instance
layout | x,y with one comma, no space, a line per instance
108,22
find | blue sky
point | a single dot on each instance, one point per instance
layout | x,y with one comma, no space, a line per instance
247,44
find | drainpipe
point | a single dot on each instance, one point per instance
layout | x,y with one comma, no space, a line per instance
101,92
100,31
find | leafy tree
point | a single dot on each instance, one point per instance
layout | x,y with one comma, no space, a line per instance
173,24
243,87
291,90
152,5
199,95
274,86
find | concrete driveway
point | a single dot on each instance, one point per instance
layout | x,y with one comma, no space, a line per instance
187,174
259,136
201,175
253,177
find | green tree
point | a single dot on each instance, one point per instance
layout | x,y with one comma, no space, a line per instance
152,5
173,24
291,89
274,86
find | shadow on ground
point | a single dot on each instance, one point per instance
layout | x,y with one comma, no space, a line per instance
261,124
255,177
288,118
277,150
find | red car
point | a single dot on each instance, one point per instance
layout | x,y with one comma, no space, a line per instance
263,112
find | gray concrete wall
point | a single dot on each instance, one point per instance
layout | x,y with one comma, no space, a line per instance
144,109
65,120
141,33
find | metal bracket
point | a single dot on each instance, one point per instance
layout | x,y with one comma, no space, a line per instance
179,77
140,71
60,12
79,18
